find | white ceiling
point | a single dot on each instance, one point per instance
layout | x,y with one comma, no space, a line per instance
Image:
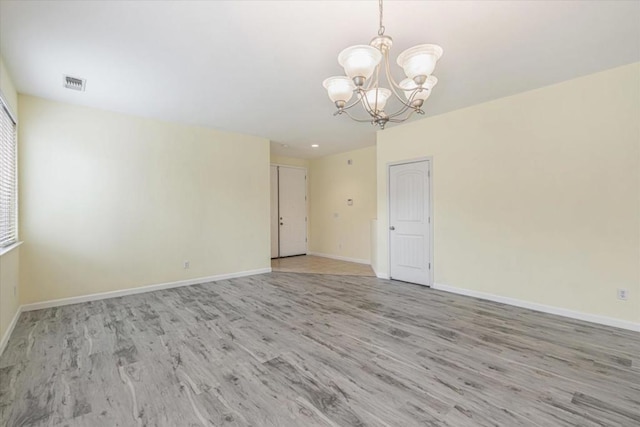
256,67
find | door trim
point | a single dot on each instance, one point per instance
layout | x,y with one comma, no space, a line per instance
277,207
288,166
429,160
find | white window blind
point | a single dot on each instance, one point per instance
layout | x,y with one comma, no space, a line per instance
8,178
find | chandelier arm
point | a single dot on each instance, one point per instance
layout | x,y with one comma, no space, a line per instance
350,106
406,106
357,101
373,113
411,98
369,84
377,87
392,82
409,103
402,120
375,83
357,119
401,111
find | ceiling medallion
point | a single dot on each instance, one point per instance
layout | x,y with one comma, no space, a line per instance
362,65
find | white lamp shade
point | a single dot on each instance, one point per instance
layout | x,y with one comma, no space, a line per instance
420,60
378,103
408,86
339,88
359,60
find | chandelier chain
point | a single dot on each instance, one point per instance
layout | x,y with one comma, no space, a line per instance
381,28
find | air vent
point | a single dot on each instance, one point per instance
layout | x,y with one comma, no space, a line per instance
74,83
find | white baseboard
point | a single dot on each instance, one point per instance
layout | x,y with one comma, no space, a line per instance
341,258
139,290
593,318
379,275
113,294
9,331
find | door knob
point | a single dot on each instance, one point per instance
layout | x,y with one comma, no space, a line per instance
282,223
392,228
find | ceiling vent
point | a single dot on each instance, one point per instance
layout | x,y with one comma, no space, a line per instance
74,83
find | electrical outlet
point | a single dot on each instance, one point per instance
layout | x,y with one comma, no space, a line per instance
187,265
623,294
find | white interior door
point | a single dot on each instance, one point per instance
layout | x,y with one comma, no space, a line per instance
274,212
292,211
409,223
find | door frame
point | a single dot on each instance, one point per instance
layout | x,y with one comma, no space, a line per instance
277,207
306,203
429,160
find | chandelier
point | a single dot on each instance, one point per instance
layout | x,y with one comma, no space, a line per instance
362,65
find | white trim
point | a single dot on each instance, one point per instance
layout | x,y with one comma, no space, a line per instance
9,248
380,275
288,166
113,294
341,258
9,331
593,318
139,290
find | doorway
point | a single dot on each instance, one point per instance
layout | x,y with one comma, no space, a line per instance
288,211
410,236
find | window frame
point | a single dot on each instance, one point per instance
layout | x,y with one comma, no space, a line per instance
4,105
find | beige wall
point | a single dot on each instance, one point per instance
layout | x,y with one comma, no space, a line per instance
335,228
110,201
10,261
9,288
537,195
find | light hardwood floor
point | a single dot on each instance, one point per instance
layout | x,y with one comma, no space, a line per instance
320,265
285,349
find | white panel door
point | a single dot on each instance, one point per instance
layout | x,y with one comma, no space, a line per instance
409,223
274,212
293,211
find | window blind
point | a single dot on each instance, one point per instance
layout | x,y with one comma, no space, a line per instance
8,178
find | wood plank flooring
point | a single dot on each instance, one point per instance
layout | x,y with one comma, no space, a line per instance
286,349
320,265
